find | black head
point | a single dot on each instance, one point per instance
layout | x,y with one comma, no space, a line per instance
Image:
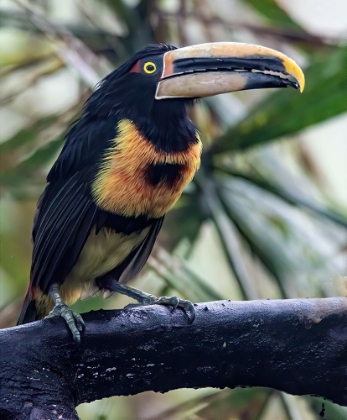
153,88
129,92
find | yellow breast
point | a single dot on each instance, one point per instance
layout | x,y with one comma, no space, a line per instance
100,254
121,186
103,252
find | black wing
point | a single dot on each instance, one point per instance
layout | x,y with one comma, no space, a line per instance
66,212
64,219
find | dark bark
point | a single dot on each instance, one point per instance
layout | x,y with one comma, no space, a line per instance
297,346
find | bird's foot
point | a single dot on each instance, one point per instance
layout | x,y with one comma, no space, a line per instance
73,319
146,299
172,301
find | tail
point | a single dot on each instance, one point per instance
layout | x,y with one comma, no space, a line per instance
28,313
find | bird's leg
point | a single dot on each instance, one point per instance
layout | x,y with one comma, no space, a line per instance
147,299
72,318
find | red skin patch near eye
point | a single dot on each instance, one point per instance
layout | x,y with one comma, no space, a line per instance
136,68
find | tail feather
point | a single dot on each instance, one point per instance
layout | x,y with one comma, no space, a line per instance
28,313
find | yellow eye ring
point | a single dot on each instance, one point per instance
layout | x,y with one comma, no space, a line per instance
149,67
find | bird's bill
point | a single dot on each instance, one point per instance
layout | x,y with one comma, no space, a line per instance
210,69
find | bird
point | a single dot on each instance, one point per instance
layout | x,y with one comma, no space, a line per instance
124,165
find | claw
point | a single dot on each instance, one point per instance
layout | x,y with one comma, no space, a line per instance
146,299
73,319
175,302
189,310
170,301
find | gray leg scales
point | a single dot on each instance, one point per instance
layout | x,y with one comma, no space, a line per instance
73,319
147,299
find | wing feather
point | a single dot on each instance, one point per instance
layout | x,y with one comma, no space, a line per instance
61,230
54,218
66,212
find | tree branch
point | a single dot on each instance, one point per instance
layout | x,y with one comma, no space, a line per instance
298,346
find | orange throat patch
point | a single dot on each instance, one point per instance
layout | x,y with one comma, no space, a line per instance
121,185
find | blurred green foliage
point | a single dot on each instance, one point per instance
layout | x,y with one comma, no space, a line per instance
257,222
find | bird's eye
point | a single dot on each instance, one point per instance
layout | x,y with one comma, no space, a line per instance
149,67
